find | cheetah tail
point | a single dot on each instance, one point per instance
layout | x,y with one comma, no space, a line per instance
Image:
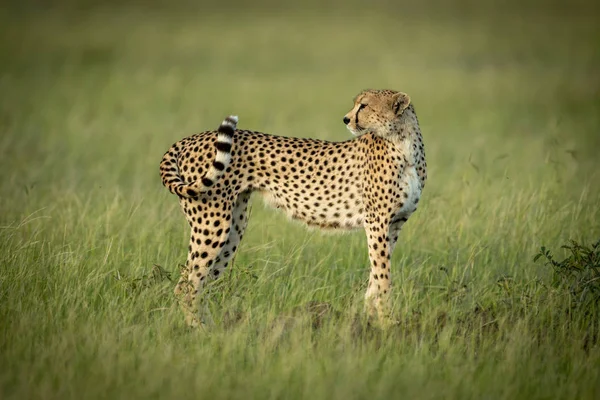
169,171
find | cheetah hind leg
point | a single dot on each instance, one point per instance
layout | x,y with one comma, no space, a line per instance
182,292
239,221
206,242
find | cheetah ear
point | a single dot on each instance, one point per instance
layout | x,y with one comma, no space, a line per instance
400,101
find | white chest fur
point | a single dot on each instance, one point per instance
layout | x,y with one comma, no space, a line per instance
411,187
409,180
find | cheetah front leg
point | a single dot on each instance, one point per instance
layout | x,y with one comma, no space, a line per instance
395,228
378,291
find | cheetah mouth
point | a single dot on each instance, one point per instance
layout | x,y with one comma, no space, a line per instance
357,130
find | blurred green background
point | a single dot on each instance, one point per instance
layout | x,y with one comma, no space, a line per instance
93,93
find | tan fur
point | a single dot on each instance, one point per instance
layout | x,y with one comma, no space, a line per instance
372,182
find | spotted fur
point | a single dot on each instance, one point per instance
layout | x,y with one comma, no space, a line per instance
169,169
373,182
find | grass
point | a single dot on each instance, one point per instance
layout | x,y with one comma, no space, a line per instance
90,242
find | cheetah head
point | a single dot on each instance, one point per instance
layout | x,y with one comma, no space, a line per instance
377,111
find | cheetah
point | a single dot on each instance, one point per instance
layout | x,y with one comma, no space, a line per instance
373,181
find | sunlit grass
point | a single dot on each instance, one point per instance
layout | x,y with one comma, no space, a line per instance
91,243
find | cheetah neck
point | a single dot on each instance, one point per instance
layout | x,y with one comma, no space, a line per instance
408,140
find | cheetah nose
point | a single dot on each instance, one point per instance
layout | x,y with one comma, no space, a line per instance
346,120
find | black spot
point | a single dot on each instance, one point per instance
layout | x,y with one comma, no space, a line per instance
207,182
219,165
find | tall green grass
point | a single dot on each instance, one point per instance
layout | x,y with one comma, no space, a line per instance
90,242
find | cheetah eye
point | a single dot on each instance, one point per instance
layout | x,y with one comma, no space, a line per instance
361,106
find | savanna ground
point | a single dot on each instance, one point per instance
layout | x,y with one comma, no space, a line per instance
90,242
